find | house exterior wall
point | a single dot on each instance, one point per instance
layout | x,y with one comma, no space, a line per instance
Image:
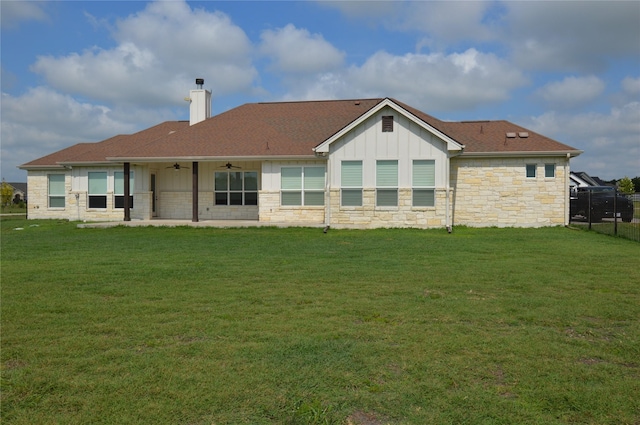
404,215
76,196
485,191
497,192
407,142
271,209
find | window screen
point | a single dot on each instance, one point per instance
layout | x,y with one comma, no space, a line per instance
56,191
351,183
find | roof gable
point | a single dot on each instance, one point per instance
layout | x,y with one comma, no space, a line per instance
399,108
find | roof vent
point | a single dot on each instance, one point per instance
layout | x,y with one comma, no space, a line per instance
523,135
511,135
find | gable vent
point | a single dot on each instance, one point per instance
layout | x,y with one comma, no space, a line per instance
523,135
387,123
511,135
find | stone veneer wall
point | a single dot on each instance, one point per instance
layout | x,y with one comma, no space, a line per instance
272,212
496,192
177,205
75,202
404,215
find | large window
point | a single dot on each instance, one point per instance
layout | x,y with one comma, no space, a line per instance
351,183
302,186
118,189
424,182
236,188
56,190
98,189
387,183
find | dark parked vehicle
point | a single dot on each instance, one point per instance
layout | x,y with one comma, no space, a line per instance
603,201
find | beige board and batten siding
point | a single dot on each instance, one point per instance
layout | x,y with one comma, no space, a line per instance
407,142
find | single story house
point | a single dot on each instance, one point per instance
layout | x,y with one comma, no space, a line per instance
360,163
19,192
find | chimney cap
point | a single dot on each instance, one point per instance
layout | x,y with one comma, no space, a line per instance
199,82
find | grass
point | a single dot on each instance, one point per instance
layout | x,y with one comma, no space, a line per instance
13,209
293,326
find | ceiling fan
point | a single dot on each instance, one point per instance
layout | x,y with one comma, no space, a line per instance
229,166
177,167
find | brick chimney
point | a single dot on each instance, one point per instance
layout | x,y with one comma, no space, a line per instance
200,103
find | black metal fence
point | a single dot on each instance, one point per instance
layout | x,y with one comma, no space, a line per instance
616,220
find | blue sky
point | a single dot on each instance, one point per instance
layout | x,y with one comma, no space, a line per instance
83,71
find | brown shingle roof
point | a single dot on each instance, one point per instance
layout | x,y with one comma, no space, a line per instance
491,136
259,129
99,151
285,129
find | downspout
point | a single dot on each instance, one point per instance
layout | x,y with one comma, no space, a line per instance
327,212
567,191
448,219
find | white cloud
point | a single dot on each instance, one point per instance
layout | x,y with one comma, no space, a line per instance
611,142
447,22
571,91
13,13
434,82
294,50
441,22
43,121
631,85
572,36
161,50
364,9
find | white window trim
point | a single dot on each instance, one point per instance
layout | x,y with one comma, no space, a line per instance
228,191
387,188
415,186
63,196
302,189
554,171
360,187
106,194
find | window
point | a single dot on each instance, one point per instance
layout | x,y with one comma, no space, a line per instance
351,183
387,123
302,186
118,189
56,190
549,170
98,189
387,183
531,170
236,188
424,182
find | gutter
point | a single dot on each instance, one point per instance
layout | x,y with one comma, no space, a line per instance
211,158
571,153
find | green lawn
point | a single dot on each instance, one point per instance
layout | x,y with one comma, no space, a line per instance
293,326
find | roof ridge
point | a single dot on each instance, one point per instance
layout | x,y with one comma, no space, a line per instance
322,101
